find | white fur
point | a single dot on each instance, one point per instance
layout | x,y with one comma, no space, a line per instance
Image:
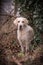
24,35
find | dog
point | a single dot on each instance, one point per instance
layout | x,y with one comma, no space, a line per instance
25,33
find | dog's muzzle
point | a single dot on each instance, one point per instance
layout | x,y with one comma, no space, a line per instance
20,27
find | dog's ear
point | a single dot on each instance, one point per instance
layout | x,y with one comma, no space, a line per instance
26,21
16,21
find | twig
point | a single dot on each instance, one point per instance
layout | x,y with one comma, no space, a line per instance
16,61
2,14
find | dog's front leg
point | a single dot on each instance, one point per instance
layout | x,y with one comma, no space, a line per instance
22,49
27,46
28,43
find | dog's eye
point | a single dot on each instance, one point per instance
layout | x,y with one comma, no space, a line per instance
18,21
22,21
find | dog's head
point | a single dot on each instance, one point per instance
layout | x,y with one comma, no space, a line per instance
21,22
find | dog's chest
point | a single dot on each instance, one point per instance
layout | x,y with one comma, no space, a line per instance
21,35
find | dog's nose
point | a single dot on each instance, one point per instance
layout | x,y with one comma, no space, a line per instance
20,26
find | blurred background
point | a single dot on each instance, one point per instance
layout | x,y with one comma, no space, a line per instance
11,9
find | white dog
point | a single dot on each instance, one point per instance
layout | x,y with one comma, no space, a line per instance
25,33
